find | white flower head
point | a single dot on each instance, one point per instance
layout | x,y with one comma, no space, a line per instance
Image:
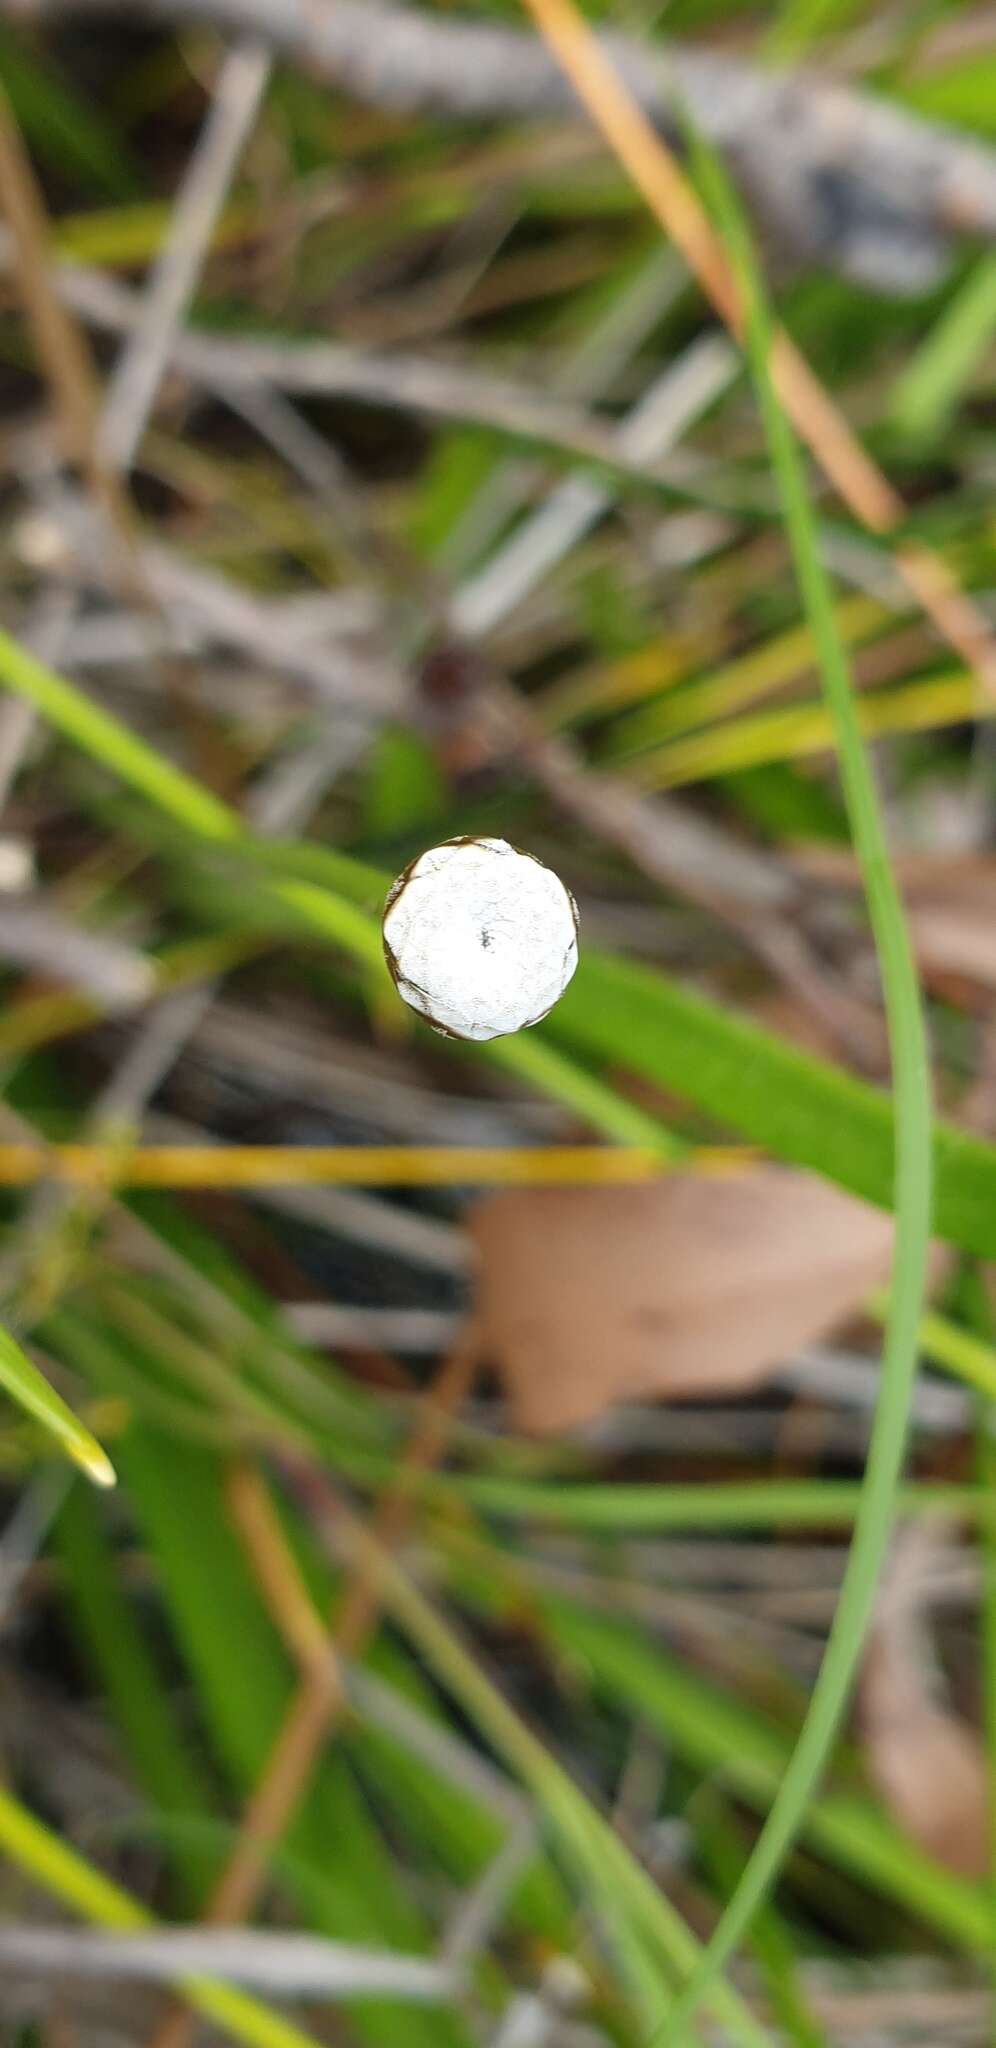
480,939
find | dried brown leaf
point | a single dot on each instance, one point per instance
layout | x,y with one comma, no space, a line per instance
951,904
691,1285
961,944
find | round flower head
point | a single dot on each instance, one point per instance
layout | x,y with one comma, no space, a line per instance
480,939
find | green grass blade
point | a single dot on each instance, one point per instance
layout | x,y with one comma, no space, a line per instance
933,381
986,1468
27,1386
161,1760
64,131
746,1080
911,1083
105,739
725,1504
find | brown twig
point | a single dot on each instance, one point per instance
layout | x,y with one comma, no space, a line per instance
673,200
62,350
319,1700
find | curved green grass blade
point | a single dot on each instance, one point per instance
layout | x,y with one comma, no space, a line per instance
911,1085
707,1505
27,1386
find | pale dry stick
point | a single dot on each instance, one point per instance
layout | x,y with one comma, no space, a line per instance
408,1330
268,1960
672,402
215,608
320,1697
438,390
40,939
529,2021
394,1102
586,375
118,640
672,199
138,373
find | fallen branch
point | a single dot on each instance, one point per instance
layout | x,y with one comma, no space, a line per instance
838,179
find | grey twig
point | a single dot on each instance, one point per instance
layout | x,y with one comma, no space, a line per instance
839,178
436,388
409,1330
299,1965
471,1925
675,399
138,371
587,373
222,611
342,1077
24,1534
37,936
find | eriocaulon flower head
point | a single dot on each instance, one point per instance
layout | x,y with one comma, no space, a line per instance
480,939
